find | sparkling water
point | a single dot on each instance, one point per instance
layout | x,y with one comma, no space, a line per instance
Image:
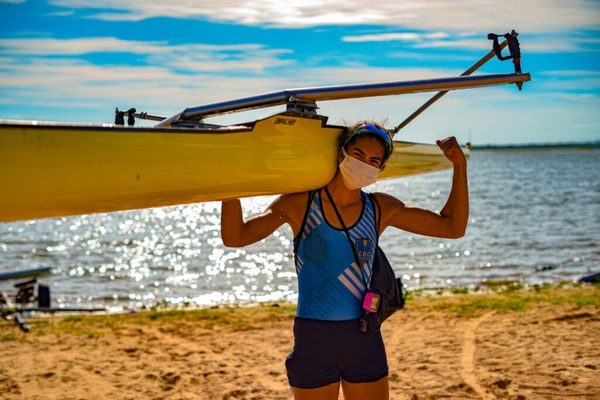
535,217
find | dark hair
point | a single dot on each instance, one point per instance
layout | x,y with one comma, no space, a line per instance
350,129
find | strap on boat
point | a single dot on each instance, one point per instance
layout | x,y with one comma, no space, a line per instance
513,48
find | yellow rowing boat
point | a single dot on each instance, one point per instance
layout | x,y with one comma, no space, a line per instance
50,170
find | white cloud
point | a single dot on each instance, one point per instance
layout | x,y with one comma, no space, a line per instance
560,84
83,81
183,75
551,43
90,92
532,16
80,85
66,13
389,37
66,47
50,46
165,86
362,73
255,61
454,44
421,56
173,77
192,57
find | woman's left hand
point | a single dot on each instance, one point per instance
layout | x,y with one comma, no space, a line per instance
452,150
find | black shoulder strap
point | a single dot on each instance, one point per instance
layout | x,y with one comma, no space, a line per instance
365,281
311,196
378,212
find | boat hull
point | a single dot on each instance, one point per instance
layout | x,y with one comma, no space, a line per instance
50,170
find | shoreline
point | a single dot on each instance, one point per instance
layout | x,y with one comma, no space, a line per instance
512,344
500,286
538,146
484,287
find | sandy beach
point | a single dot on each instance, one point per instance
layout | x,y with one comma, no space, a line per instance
513,344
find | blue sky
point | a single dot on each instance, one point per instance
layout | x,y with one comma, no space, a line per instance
76,60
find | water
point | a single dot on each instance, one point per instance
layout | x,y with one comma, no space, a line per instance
535,217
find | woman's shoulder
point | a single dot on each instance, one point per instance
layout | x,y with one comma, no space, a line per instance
298,197
294,201
293,205
384,199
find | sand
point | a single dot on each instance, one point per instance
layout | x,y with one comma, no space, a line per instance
512,345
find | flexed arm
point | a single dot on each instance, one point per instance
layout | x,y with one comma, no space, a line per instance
456,209
451,221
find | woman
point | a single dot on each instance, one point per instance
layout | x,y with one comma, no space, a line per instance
329,350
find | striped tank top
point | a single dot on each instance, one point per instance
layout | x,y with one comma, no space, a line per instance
330,283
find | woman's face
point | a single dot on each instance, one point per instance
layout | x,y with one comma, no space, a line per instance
366,149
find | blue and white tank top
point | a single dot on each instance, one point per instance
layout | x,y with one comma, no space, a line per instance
330,284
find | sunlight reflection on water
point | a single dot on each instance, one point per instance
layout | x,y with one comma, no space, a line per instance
535,217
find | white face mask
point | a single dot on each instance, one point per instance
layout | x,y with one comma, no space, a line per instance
357,174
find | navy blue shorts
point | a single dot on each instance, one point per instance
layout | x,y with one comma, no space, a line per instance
327,351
